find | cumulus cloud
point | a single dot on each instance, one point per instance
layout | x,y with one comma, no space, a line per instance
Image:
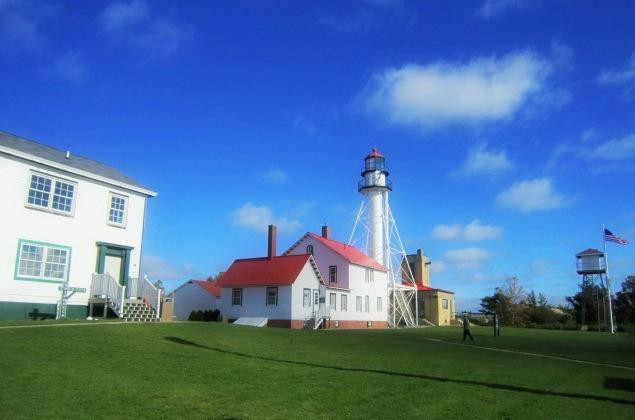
484,89
257,218
494,8
134,25
472,232
22,22
532,195
482,161
619,76
468,258
276,176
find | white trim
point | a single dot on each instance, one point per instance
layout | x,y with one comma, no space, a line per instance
49,208
76,171
126,199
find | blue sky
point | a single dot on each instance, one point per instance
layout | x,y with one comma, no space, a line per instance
508,125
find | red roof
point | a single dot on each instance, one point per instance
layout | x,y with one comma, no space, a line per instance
374,153
279,271
210,286
349,252
422,288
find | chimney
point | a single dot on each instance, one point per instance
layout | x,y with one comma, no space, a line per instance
271,251
68,154
326,232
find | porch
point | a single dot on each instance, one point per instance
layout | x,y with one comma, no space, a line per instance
137,301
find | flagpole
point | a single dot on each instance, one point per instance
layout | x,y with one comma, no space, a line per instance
608,280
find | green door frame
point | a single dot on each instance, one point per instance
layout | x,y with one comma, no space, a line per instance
113,250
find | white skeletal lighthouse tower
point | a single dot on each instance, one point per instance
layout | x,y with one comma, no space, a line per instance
375,232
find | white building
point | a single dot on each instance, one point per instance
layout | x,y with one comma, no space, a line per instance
64,217
293,290
195,295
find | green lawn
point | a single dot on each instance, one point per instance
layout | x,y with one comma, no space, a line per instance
215,370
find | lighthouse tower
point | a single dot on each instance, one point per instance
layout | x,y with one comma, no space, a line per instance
375,232
376,186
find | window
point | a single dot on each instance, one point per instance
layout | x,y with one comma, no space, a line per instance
333,301
306,297
358,303
272,296
309,249
444,303
42,186
316,298
333,274
118,208
42,262
343,303
367,303
237,297
370,276
379,309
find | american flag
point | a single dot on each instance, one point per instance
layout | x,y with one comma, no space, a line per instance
610,236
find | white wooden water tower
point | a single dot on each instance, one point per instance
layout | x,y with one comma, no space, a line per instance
591,264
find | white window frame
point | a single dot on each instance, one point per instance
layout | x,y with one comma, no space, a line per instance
306,298
49,207
444,303
46,248
239,296
344,303
358,304
332,274
126,200
309,249
274,296
333,301
367,304
379,304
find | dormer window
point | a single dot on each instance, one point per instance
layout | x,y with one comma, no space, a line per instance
51,193
309,249
118,210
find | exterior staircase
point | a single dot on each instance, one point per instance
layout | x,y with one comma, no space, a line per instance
136,310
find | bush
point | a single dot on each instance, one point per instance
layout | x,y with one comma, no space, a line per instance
205,316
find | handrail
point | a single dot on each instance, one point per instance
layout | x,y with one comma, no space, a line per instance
144,289
105,285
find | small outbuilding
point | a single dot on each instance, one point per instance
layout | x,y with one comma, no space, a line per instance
195,295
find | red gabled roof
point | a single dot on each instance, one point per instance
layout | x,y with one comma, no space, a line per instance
210,286
349,252
279,271
422,288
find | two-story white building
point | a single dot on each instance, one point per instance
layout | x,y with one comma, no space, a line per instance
64,218
318,282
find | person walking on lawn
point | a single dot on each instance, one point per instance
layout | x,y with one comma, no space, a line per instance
466,328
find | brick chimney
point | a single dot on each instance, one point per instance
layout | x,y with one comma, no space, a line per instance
271,251
326,232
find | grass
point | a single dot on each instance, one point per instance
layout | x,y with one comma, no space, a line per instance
208,370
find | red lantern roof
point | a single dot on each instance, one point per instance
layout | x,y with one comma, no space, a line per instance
374,153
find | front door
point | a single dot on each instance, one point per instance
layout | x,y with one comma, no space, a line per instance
112,266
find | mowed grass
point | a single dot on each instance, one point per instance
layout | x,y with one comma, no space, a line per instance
207,370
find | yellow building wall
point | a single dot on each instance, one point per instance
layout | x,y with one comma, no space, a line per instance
433,307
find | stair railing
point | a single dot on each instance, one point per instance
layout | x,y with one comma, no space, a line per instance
103,285
142,288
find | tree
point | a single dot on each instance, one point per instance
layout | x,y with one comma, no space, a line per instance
537,310
515,293
588,302
625,302
498,303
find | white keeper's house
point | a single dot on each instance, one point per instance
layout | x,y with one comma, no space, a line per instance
69,222
195,295
317,283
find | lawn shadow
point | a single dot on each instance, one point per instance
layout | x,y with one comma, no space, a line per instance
515,388
623,384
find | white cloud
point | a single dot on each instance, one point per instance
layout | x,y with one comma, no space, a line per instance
532,195
70,68
482,161
258,218
562,55
134,25
472,232
619,76
468,258
21,23
495,8
614,150
485,89
120,15
276,176
158,268
437,267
